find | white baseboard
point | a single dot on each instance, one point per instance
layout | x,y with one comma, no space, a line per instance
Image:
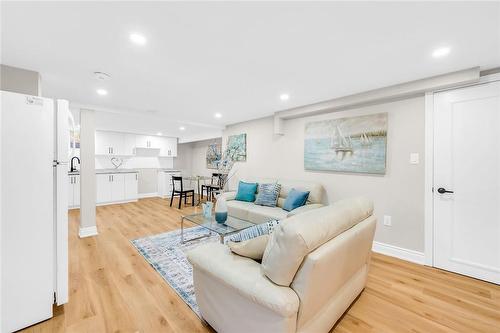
399,252
148,195
87,232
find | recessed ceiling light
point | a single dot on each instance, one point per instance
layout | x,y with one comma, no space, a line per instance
284,97
102,92
138,39
101,76
182,128
441,52
217,115
159,133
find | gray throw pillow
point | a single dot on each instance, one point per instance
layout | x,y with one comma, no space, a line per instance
268,194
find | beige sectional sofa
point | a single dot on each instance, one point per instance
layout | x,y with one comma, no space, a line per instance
314,266
258,214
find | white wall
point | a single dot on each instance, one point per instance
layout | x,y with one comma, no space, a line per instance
399,193
191,157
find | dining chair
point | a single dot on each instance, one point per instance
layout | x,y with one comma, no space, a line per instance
207,187
179,190
217,188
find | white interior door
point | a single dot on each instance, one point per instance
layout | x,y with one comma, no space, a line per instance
467,163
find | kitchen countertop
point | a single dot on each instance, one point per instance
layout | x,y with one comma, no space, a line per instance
105,171
170,170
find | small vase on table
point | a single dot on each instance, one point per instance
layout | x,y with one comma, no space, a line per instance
220,209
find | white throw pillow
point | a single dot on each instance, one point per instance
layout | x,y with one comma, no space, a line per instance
253,248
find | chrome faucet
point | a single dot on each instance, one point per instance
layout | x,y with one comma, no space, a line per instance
73,168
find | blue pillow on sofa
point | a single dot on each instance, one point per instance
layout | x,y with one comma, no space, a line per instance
295,199
246,191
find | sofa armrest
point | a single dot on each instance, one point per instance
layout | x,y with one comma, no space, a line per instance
303,209
243,276
229,195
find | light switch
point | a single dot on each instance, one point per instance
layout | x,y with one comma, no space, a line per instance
414,158
388,220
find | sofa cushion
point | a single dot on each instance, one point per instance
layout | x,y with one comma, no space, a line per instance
295,199
268,194
239,209
298,235
246,191
315,190
244,276
261,214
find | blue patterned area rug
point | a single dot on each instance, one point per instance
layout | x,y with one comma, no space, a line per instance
167,255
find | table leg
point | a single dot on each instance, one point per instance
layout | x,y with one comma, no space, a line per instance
199,196
221,239
182,230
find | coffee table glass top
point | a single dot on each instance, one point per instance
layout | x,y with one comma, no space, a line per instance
231,225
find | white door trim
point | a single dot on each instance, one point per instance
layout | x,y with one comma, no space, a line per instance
429,180
429,166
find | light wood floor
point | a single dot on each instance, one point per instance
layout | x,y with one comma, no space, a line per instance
113,289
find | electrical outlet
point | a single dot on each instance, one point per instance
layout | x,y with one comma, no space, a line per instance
414,158
387,220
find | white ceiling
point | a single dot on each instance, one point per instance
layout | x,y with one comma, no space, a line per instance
236,58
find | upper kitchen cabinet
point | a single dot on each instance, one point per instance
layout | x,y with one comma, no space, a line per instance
114,143
147,141
168,147
126,144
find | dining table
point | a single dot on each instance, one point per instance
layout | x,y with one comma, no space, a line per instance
197,179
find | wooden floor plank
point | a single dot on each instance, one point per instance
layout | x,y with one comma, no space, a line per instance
113,289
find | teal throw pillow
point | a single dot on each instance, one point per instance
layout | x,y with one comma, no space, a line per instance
246,191
295,199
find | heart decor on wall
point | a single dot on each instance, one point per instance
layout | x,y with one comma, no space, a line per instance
117,162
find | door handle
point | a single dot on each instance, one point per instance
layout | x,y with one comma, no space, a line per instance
442,190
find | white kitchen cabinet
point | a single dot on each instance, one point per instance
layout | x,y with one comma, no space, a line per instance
74,191
131,186
114,143
125,144
116,187
128,146
168,147
103,188
147,141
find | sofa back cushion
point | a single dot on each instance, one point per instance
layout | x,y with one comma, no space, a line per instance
315,190
301,234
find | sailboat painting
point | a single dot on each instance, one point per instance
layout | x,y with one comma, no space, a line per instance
354,144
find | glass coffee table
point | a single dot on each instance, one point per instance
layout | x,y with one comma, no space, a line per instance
231,226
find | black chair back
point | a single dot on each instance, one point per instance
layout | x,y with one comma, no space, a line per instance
215,179
177,183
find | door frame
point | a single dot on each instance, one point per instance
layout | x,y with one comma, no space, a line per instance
429,165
